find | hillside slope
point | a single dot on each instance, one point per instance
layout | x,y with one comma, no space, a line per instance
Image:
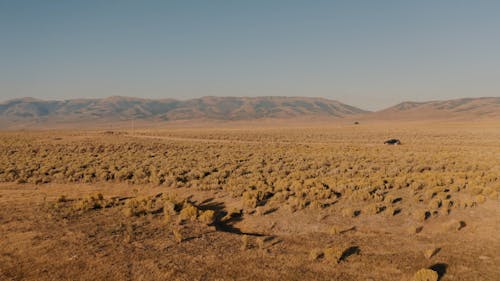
456,109
29,110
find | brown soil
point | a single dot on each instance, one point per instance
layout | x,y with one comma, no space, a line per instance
39,242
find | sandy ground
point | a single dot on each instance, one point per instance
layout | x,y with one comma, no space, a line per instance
41,242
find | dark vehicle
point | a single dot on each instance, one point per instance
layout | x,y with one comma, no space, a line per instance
392,142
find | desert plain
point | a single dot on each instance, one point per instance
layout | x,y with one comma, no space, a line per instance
326,201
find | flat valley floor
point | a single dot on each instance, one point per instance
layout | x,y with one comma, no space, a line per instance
322,202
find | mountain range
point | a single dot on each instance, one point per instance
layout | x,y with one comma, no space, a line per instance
30,111
458,109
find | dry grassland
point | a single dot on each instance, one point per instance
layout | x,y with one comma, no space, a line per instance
252,203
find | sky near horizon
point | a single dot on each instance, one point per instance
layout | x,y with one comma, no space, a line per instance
369,54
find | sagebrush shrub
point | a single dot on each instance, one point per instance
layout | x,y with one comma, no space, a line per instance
333,254
207,217
425,275
188,212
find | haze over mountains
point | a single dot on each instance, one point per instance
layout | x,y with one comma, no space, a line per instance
29,111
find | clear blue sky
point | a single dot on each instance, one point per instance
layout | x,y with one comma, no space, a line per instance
368,53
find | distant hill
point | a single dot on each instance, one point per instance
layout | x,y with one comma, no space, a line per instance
33,111
456,109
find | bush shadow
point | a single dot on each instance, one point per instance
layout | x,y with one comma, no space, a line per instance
223,221
440,268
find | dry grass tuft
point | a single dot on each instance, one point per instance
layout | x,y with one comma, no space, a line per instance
316,254
425,275
177,235
334,230
415,229
188,212
333,254
245,241
429,253
93,202
261,243
455,225
207,217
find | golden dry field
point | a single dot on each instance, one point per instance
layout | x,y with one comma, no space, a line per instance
317,202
